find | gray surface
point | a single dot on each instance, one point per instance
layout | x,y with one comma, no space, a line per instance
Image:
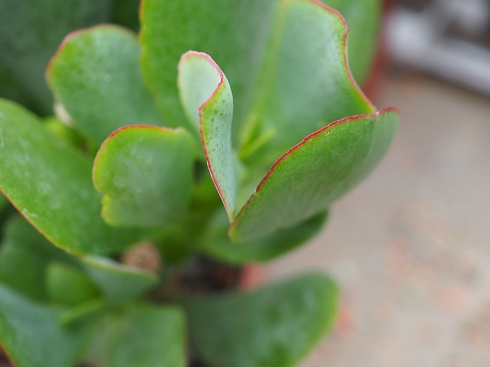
410,246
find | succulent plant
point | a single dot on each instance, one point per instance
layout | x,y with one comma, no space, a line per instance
221,133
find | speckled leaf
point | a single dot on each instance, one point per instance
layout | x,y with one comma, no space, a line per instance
50,185
363,18
315,172
25,248
274,326
30,32
31,335
95,75
118,282
145,174
140,335
207,100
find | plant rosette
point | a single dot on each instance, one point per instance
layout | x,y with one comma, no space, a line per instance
223,131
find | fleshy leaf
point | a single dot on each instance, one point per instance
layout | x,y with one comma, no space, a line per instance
118,282
216,242
207,99
315,172
145,174
363,18
31,335
30,32
140,335
50,185
95,75
274,326
25,248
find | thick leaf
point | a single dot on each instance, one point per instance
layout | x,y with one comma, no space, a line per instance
30,31
118,283
95,75
31,335
24,257
140,335
68,285
207,100
274,326
233,32
217,243
146,175
305,79
363,18
314,173
50,185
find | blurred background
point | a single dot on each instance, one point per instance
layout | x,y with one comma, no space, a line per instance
410,247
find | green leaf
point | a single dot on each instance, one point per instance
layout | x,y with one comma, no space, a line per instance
216,241
118,283
31,335
235,36
207,100
95,75
50,185
145,174
140,335
30,31
275,326
68,285
314,173
363,18
24,257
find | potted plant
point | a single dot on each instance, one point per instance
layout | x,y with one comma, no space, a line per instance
216,137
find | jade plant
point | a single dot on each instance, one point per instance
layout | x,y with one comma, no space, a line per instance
214,135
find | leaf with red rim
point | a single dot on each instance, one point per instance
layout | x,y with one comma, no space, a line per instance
314,173
206,97
95,75
145,174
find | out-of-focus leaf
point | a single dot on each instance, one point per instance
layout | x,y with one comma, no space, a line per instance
207,100
118,283
50,184
30,31
216,242
363,18
319,170
274,326
145,174
31,335
68,285
140,335
24,257
95,75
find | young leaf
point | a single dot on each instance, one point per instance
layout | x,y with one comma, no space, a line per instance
31,335
117,282
95,75
145,174
140,335
207,100
315,172
274,326
50,185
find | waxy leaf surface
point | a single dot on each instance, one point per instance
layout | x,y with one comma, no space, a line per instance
50,185
140,335
145,174
274,326
207,100
30,32
95,75
31,335
317,171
